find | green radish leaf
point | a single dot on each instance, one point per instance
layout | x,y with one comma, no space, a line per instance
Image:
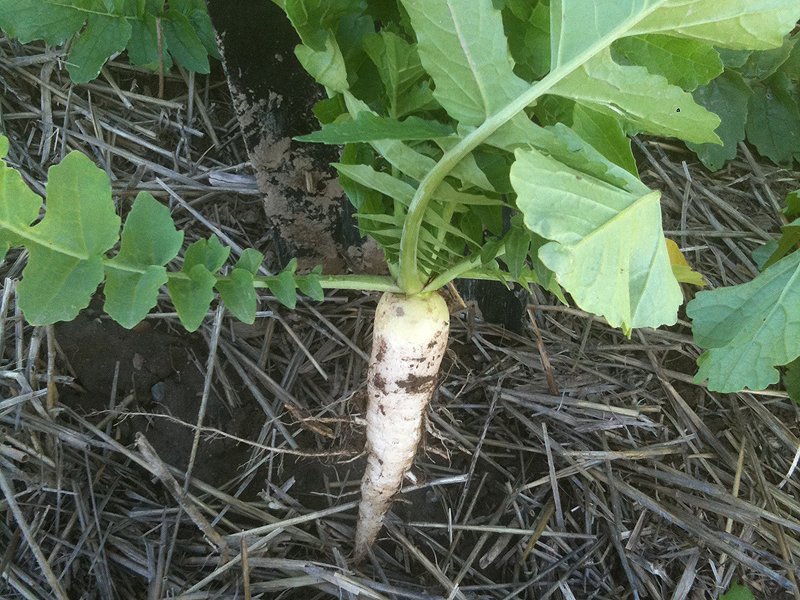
639,98
470,64
102,37
201,24
737,592
330,109
762,65
608,248
727,96
790,237
209,253
400,70
518,243
684,63
761,254
283,286
733,59
792,208
740,25
528,31
605,134
19,206
773,120
491,217
310,285
748,328
238,294
310,17
66,249
384,183
489,252
133,277
326,66
792,380
183,42
367,127
52,21
143,45
250,260
192,295
109,26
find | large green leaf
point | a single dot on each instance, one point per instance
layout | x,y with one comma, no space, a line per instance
52,21
66,249
646,101
183,42
735,24
607,249
134,276
463,47
748,329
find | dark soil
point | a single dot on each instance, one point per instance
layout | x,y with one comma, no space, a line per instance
165,372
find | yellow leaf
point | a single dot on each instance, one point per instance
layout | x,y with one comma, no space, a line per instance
681,269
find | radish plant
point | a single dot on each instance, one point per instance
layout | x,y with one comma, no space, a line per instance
452,114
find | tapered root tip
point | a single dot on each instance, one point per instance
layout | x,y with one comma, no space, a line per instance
409,341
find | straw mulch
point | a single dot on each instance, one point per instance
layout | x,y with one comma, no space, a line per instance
568,462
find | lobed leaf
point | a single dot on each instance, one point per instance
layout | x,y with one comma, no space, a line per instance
727,96
748,329
105,28
683,62
646,101
773,120
469,63
192,295
607,249
238,295
66,249
135,274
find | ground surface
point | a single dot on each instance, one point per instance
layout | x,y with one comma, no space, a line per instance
564,462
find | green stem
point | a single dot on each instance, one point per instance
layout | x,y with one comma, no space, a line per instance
410,278
373,283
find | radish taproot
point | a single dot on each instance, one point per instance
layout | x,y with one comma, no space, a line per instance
409,341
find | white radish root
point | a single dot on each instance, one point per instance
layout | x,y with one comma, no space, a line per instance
409,341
